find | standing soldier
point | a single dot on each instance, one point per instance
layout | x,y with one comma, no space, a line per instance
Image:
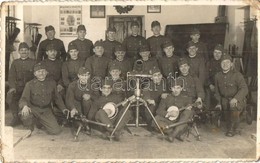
110,43
50,33
231,91
37,102
134,42
20,73
156,41
85,46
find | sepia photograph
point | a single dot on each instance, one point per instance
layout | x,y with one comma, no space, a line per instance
150,82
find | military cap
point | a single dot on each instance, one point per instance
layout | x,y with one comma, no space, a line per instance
194,31
167,44
81,27
23,45
155,23
38,66
183,61
113,67
49,28
190,44
111,29
99,43
134,23
226,57
154,70
107,81
177,81
144,48
50,47
83,70
219,47
72,46
119,48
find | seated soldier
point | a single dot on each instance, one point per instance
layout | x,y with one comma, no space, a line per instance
102,115
71,66
36,102
20,73
231,91
166,114
123,63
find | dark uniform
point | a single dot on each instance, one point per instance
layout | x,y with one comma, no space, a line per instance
109,48
57,43
20,73
54,69
124,65
132,45
39,97
197,68
168,65
202,50
85,48
228,86
155,43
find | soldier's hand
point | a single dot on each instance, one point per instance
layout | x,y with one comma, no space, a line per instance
59,88
219,107
86,97
212,87
164,95
26,111
12,90
73,112
151,102
199,101
233,102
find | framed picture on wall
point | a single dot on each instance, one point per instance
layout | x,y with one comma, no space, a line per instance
154,9
70,18
97,11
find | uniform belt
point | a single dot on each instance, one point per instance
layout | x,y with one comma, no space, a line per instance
43,107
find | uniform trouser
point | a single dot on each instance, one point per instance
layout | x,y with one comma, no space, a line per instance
43,116
232,114
210,99
145,113
13,103
102,117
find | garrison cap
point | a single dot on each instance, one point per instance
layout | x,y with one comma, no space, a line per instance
219,47
111,29
154,70
49,28
50,47
134,23
190,44
155,23
113,67
81,27
72,46
23,45
120,47
178,81
83,70
99,43
226,57
107,81
38,66
167,44
194,31
183,61
144,48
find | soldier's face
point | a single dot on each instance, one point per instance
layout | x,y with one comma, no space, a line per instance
157,77
145,55
24,52
99,50
115,73
169,51
184,68
192,51
74,54
135,30
217,54
41,74
81,34
195,37
50,34
176,90
51,54
226,65
83,78
106,90
120,55
156,30
111,35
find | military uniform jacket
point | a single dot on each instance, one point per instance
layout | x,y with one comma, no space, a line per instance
57,43
98,66
149,64
212,67
171,100
75,92
54,69
168,65
155,43
192,87
20,73
70,70
109,48
41,94
132,45
85,48
197,68
202,50
124,66
230,85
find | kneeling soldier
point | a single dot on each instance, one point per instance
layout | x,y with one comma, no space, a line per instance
36,101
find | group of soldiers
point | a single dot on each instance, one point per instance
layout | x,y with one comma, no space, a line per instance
88,76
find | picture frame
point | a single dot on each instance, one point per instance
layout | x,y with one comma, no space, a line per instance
154,9
97,11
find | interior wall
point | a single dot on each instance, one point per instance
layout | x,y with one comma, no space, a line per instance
49,15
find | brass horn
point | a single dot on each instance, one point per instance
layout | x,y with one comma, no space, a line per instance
138,65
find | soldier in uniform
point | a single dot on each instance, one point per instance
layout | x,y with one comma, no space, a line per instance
168,63
84,45
124,64
103,116
50,33
156,41
231,91
165,116
110,43
134,42
37,101
71,66
20,73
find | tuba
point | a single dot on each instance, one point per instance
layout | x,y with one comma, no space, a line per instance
138,66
